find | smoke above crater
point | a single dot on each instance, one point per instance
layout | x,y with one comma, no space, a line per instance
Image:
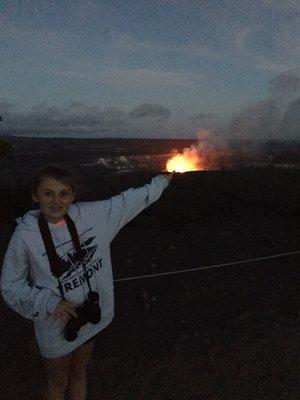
276,117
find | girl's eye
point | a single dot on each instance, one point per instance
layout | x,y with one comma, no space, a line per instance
50,194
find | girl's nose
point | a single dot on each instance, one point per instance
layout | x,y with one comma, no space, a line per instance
56,199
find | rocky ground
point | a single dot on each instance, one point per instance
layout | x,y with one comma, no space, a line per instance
218,334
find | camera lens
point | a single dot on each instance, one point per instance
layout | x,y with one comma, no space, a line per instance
70,333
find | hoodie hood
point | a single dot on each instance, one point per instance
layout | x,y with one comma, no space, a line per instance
29,221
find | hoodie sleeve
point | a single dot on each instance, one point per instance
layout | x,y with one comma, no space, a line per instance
128,204
31,302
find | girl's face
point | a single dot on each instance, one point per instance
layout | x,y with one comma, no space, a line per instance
54,199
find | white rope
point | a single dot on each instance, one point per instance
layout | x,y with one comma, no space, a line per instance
208,267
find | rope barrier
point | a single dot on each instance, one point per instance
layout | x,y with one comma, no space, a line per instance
205,267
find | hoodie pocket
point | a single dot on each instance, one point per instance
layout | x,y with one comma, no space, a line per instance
50,332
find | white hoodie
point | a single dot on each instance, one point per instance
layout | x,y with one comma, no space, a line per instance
28,285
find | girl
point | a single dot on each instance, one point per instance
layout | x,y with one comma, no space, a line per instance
57,271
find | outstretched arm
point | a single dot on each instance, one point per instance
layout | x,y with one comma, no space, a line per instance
128,204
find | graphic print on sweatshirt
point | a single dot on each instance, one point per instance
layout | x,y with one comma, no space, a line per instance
72,274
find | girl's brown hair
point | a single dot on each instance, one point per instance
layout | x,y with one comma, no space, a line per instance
57,172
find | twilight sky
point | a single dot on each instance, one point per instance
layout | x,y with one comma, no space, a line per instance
121,68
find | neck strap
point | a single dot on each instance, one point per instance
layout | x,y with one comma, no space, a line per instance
50,248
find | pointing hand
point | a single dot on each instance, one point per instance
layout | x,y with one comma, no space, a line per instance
169,176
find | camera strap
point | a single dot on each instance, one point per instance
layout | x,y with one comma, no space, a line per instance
53,258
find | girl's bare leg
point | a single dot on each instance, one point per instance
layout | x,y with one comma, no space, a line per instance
57,371
78,371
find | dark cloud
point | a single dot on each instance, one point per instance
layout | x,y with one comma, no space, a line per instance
268,119
276,117
77,118
203,116
291,120
5,107
284,84
273,118
150,110
261,120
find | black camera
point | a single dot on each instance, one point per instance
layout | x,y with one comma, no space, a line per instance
89,311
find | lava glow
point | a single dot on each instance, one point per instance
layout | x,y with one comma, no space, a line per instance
188,161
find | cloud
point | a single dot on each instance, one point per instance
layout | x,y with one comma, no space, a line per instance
291,119
267,39
148,77
60,54
76,118
285,83
276,117
241,37
264,64
28,42
249,50
257,121
150,110
201,116
80,120
147,49
286,6
5,107
133,78
267,119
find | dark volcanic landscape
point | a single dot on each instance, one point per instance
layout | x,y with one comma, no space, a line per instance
226,333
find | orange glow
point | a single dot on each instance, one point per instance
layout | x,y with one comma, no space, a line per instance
189,160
